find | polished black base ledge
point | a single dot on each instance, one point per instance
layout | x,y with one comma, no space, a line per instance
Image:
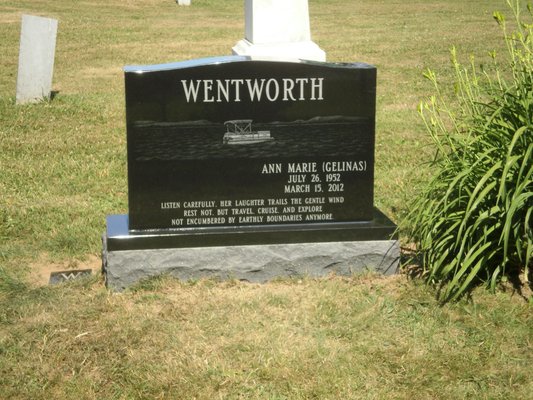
119,237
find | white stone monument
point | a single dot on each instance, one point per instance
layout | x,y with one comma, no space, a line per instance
36,58
183,2
278,30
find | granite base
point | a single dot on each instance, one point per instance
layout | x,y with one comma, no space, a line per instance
257,254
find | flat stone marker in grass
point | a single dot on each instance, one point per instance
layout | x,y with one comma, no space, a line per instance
68,275
36,59
278,29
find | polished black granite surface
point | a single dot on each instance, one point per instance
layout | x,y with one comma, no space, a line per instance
232,147
119,237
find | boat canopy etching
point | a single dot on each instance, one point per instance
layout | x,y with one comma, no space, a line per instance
239,131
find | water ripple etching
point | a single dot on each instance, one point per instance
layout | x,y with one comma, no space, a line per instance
204,140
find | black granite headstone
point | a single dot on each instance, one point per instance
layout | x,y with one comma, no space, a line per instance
251,170
249,152
234,142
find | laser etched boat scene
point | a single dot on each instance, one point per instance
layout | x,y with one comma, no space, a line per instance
203,139
239,131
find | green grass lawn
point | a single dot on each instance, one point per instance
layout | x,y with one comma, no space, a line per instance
63,169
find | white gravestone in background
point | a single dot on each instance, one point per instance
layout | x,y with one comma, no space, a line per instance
184,2
36,58
278,30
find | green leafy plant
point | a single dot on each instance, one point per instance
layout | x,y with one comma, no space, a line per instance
473,223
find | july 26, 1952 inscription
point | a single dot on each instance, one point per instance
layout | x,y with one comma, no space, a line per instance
236,142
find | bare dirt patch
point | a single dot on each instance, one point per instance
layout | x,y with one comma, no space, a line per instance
40,270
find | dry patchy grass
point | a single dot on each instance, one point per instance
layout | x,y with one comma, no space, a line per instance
361,337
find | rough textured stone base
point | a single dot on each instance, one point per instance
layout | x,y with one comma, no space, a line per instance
253,263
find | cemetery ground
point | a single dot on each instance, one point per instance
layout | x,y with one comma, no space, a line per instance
63,169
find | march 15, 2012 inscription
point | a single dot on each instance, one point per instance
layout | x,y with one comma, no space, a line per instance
235,142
